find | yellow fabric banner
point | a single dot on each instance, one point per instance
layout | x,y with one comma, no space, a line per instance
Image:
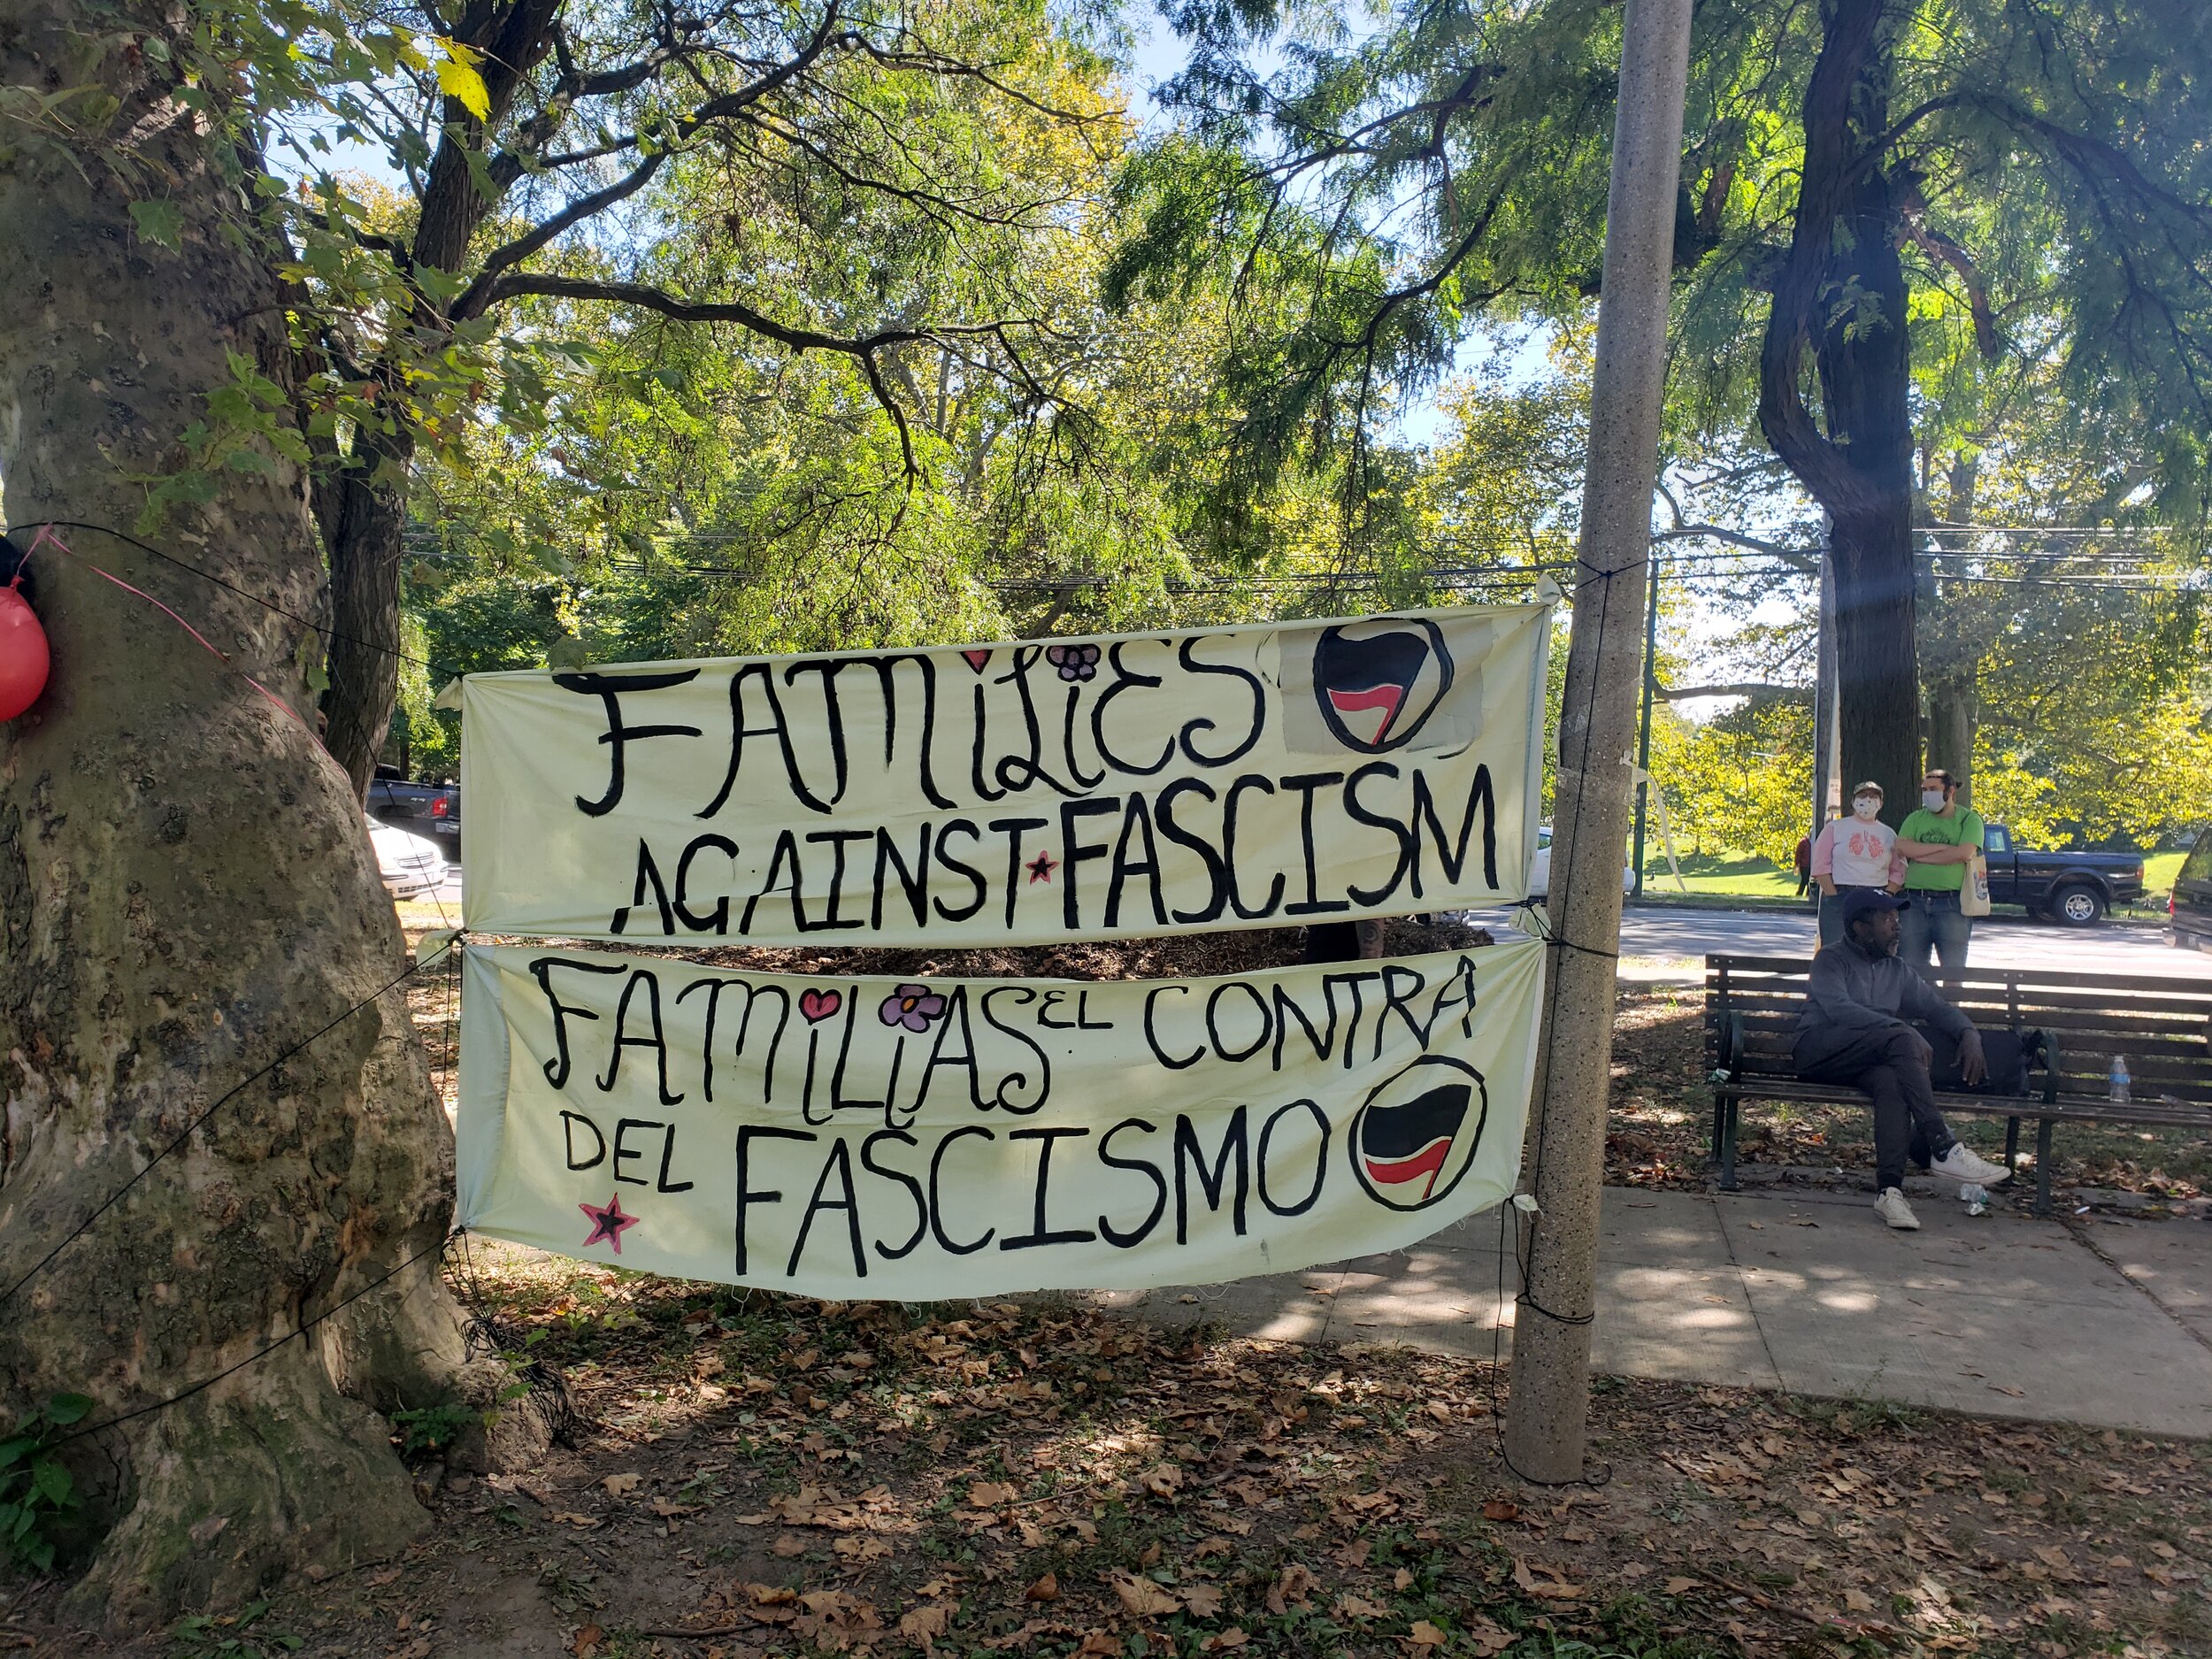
1013,794
846,1137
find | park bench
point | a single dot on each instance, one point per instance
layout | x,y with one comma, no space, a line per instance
2162,1027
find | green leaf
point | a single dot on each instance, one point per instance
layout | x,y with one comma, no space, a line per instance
11,1450
159,221
66,1408
319,677
457,78
566,652
52,1481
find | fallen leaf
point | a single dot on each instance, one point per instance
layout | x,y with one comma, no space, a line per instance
863,1548
1359,1607
587,1642
926,1625
1141,1596
1203,1600
621,1485
1489,1637
1424,1634
2006,1388
1680,1586
1403,1579
1501,1510
1293,1588
987,1495
1097,1645
1858,1600
788,1544
1046,1589
1233,1637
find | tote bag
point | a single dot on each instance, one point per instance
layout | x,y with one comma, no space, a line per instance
1974,890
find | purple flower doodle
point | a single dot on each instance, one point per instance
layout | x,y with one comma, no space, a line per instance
1074,662
912,1006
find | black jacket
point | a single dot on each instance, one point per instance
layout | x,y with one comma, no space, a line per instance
1855,994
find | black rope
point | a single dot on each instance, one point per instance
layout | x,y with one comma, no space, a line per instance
109,1202
209,576
264,1351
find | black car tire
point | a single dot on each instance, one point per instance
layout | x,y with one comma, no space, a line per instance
2077,904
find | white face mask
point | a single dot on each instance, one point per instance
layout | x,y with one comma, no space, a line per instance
1931,799
1866,805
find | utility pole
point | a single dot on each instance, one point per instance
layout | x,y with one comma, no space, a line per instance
1824,709
1564,1159
1643,728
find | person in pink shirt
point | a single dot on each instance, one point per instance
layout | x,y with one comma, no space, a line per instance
1858,852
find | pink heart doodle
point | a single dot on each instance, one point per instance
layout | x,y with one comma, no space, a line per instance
976,659
820,1005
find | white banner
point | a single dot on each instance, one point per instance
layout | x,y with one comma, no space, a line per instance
850,1137
1016,793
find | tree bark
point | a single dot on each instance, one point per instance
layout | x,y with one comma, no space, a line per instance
1953,711
1842,294
365,528
186,892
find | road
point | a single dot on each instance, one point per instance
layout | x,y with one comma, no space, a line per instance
1662,941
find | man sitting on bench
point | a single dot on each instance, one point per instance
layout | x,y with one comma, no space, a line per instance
1854,1031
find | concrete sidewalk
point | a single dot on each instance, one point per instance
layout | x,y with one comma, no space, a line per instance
2099,1322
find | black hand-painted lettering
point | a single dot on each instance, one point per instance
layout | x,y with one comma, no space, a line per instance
1246,780
1067,747
776,728
747,1196
913,880
1137,1235
569,1120
648,874
983,791
1320,1158
718,921
1074,852
1211,1182
1017,773
837,839
1360,813
1452,855
655,1037
668,1155
787,853
1191,728
840,1163
832,709
1014,829
1217,872
628,1155
913,1190
1136,822
542,971
714,988
1213,1021
608,688
1125,678
1012,1084
937,1196
1399,986
945,832
1313,903
1052,1000
1152,1034
1286,1009
1039,1232
1352,981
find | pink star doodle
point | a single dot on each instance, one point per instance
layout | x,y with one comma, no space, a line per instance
607,1222
1040,868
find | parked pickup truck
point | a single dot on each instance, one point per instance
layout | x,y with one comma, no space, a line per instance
432,809
2074,888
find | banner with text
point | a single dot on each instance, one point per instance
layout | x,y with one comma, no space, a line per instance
1013,794
846,1137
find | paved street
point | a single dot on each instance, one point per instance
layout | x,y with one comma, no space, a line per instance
2098,1320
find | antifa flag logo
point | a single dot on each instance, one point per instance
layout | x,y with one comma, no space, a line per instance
1377,682
1417,1133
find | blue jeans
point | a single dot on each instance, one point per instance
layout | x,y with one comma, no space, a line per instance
1832,915
1933,922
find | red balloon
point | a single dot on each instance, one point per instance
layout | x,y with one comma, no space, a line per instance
23,657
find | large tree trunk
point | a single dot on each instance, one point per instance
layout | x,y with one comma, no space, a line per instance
1953,709
1842,293
187,892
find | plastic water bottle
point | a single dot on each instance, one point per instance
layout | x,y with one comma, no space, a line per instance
1975,1196
2118,1092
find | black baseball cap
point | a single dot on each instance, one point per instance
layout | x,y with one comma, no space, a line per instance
1867,900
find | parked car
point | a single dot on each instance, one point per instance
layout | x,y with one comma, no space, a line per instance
409,864
2074,888
2190,908
1539,867
422,808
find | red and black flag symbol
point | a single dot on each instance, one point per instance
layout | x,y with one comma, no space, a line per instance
1413,1141
1377,682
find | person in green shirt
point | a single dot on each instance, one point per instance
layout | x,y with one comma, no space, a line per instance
1937,842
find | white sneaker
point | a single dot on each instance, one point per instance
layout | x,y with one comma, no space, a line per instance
1960,1164
1892,1207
